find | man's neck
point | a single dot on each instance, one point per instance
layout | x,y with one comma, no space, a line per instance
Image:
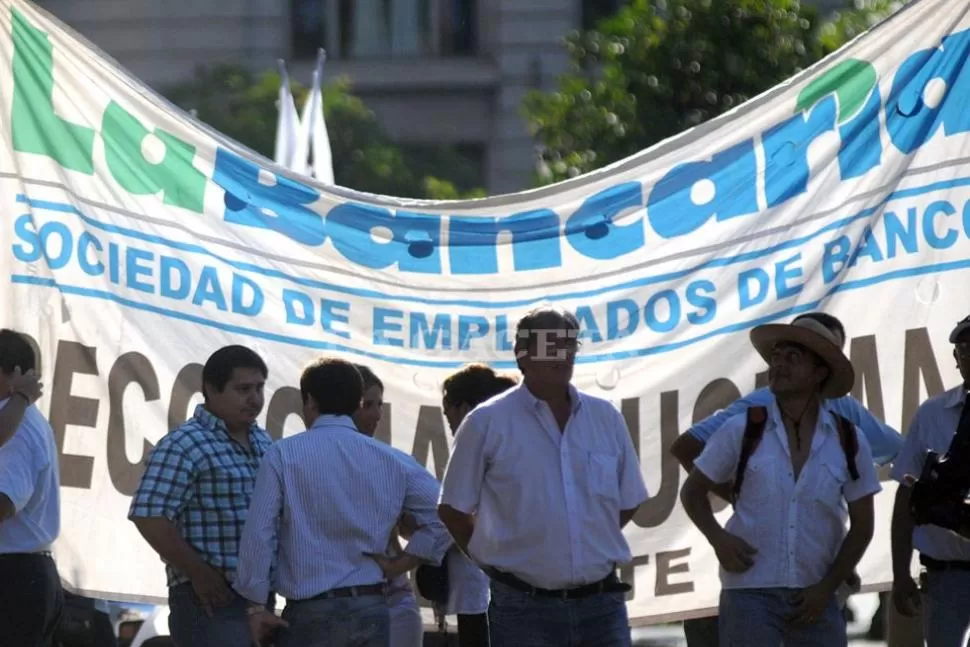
552,394
798,406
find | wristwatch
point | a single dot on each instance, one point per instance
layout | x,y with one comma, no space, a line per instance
253,609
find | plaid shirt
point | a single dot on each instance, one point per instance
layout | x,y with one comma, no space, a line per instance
202,480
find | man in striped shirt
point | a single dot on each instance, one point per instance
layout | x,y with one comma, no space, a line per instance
194,496
325,505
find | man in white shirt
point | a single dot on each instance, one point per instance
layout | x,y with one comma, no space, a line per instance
798,472
944,556
540,483
31,598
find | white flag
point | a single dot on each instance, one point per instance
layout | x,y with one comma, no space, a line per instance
287,123
313,132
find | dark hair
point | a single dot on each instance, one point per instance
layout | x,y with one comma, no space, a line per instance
370,378
827,320
542,319
16,350
334,384
220,365
474,384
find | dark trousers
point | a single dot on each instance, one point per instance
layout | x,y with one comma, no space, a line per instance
473,630
31,600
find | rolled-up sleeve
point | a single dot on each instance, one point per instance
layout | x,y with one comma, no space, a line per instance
912,456
633,490
868,481
431,540
19,466
257,548
165,487
719,460
465,473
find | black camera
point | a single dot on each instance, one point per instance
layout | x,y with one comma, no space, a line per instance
940,495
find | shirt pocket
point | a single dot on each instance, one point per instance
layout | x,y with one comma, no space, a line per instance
829,483
760,481
604,474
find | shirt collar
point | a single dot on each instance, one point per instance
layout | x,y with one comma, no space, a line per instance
330,421
826,417
210,422
956,397
575,397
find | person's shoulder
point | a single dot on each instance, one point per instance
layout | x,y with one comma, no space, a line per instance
36,431
933,405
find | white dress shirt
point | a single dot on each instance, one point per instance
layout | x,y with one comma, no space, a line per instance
547,502
933,428
797,527
468,586
322,500
30,478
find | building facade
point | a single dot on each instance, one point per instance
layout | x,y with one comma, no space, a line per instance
433,71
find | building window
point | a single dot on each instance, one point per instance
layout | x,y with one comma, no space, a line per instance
596,10
360,29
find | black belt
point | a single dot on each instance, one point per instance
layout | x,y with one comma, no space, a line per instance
609,584
39,553
943,564
350,592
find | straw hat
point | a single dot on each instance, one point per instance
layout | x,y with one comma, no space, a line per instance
816,338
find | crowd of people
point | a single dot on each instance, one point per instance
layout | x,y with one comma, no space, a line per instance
523,537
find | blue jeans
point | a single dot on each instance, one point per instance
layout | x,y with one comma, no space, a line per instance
363,621
946,608
517,619
191,627
759,617
702,632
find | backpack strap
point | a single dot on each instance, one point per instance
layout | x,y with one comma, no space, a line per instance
850,444
753,430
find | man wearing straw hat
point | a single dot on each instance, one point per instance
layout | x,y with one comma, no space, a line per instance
799,473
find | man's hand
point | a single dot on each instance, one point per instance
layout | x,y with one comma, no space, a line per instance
211,589
407,525
26,383
263,626
734,553
811,603
394,567
906,597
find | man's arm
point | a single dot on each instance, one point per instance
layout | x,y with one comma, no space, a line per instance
25,389
19,466
165,539
884,441
859,495
689,445
258,545
164,490
430,540
901,534
462,485
633,491
693,496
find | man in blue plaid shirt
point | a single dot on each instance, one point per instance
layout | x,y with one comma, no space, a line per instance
193,499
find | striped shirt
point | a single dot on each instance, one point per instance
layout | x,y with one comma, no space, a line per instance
323,499
201,479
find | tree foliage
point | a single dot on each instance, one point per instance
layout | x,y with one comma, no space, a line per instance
242,106
658,67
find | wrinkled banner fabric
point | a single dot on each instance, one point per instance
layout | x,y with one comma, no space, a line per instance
136,241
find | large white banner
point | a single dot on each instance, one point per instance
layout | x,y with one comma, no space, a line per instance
136,241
